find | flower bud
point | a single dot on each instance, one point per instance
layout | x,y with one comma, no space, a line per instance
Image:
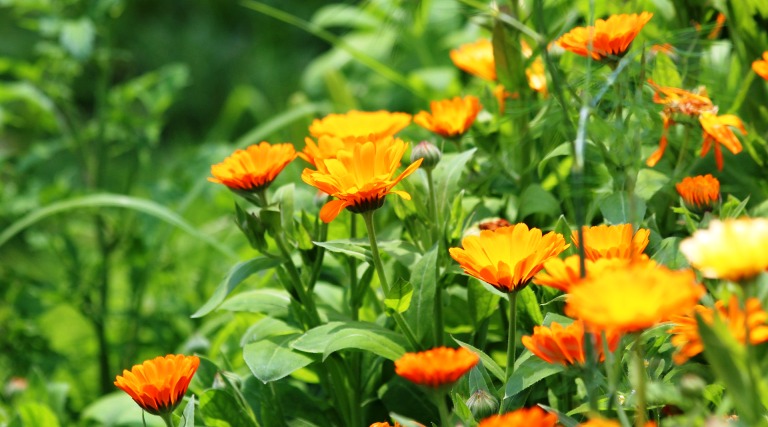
427,151
482,404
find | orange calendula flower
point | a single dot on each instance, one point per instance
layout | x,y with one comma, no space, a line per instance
449,117
441,366
476,58
732,249
529,417
507,258
717,132
699,192
254,168
563,273
612,241
328,147
360,178
760,66
633,298
565,345
159,384
385,424
608,37
376,124
685,333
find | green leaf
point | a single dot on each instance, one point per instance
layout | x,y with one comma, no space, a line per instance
733,208
188,416
36,414
221,409
399,297
265,328
116,409
488,362
354,248
77,37
335,336
529,370
665,72
536,199
649,182
619,208
235,276
563,149
284,195
421,315
272,302
273,358
482,304
447,174
527,302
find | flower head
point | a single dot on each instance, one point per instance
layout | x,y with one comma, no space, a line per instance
159,384
760,66
441,366
699,192
717,131
360,179
476,58
565,345
732,249
612,241
529,417
633,298
507,258
385,424
685,333
449,117
563,273
376,124
328,147
608,37
254,168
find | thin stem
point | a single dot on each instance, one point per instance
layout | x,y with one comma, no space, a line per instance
512,334
354,304
306,301
436,237
640,362
610,369
439,398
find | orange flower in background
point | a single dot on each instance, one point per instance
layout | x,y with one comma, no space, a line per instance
528,417
608,37
449,117
732,249
633,298
612,241
565,345
385,424
600,422
254,168
326,147
476,58
158,385
717,131
507,258
376,124
699,192
437,367
685,333
360,178
563,273
760,66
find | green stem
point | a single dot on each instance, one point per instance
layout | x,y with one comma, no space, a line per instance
439,397
610,369
167,418
641,405
742,95
305,299
354,303
436,237
511,334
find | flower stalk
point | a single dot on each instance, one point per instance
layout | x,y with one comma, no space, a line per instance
511,334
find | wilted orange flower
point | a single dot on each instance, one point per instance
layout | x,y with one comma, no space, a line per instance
717,131
254,168
685,333
476,58
437,367
565,345
699,192
375,124
159,384
493,224
449,117
507,258
612,241
360,178
563,273
760,66
633,298
732,249
609,37
529,417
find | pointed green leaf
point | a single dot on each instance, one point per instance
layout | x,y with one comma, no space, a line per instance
421,315
649,182
354,248
488,362
188,416
527,303
335,336
399,297
220,408
447,174
529,370
273,358
273,302
620,208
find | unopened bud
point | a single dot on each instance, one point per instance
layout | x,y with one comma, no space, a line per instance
482,404
427,151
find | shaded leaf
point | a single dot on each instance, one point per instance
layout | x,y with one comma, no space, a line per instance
273,358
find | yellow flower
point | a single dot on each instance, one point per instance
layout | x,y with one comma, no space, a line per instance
613,241
373,124
528,417
360,178
565,345
159,384
717,131
633,298
760,66
476,58
609,38
436,367
699,192
254,168
732,249
507,258
450,117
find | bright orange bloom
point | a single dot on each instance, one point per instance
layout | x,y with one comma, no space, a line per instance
254,168
565,345
760,66
612,241
437,367
507,258
385,424
449,117
685,333
528,417
159,384
699,192
719,22
717,131
633,298
376,124
360,178
732,249
609,38
563,273
328,147
476,58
